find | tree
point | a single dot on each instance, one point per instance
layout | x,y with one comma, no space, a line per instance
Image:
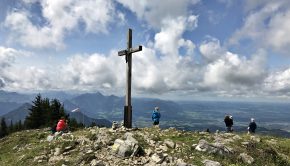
11,127
3,128
44,113
73,124
35,117
56,112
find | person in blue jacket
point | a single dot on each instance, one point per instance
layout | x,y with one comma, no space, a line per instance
156,116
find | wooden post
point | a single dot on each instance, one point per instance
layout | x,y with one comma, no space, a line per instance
128,56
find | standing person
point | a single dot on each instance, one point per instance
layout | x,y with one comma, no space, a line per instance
229,123
61,125
252,126
156,116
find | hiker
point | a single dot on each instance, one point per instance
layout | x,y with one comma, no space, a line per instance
156,116
252,126
61,125
229,123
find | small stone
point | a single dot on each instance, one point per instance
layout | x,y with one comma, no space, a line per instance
210,163
255,138
96,162
158,159
149,152
237,137
89,151
245,143
246,158
57,151
163,148
180,162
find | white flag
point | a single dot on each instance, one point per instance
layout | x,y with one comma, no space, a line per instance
76,110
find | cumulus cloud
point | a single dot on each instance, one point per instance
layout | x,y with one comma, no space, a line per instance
30,77
169,39
153,12
228,72
60,17
267,26
94,71
211,49
278,82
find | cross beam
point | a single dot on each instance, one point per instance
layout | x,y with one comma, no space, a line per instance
128,56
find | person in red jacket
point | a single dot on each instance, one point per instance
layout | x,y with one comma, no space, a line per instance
61,125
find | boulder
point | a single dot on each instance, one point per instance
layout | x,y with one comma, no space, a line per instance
125,148
216,148
169,143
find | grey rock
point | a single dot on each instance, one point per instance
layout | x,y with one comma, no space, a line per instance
255,138
163,148
96,162
40,158
149,152
125,148
216,148
169,143
210,163
57,151
237,137
157,158
246,158
180,162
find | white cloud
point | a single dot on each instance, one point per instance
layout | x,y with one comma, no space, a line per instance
169,39
93,72
17,78
267,26
153,12
61,18
230,72
211,50
278,82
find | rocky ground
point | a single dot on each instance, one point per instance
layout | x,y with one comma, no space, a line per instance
147,146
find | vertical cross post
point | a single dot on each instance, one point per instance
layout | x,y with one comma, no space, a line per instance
128,56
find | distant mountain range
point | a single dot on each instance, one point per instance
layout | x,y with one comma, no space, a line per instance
192,115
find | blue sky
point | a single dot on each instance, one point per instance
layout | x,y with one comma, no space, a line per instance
192,49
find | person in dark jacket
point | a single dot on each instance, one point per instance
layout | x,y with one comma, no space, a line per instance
229,123
252,126
156,116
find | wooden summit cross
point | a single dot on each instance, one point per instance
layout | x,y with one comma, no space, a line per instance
128,56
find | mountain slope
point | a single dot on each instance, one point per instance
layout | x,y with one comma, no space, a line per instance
6,107
18,114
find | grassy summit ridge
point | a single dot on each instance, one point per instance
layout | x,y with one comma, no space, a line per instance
93,146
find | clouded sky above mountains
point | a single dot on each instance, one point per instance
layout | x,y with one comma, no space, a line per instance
192,49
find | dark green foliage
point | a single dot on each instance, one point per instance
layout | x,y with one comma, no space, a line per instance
3,128
44,113
73,124
93,124
36,116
